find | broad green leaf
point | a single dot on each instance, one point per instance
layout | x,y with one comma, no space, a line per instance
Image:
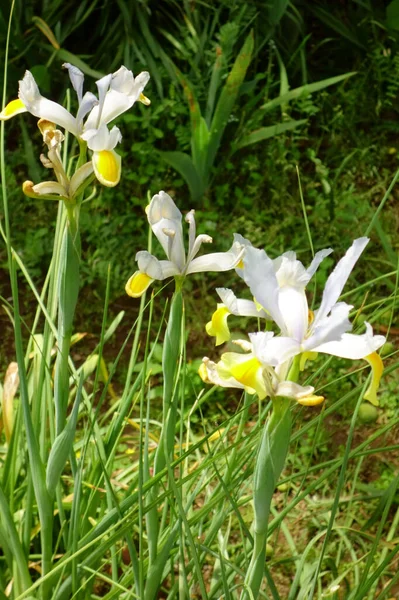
304,90
185,166
264,133
228,97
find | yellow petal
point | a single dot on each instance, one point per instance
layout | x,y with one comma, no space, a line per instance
107,167
218,327
144,100
249,373
15,107
377,368
311,400
137,284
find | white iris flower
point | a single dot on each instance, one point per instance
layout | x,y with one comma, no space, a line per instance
283,297
249,371
117,93
166,223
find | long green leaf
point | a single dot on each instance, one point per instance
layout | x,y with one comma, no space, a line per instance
304,90
185,166
264,133
228,97
63,445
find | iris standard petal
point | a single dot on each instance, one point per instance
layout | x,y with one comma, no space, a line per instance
42,108
294,310
317,260
163,215
338,278
260,276
107,166
77,78
15,107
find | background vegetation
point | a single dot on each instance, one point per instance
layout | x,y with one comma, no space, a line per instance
306,87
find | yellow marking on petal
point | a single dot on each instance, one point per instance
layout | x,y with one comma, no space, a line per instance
305,356
310,400
137,284
246,372
218,327
377,368
144,100
310,317
15,107
240,264
107,167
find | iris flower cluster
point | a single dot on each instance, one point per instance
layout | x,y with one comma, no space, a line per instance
117,92
270,364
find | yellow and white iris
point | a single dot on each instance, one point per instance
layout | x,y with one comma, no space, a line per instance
165,220
279,288
117,93
251,373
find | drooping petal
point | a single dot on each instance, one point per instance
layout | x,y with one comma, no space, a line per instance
137,284
218,326
156,269
273,351
163,215
244,368
302,394
42,108
209,374
15,107
27,188
107,165
260,276
45,188
338,278
353,346
377,367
